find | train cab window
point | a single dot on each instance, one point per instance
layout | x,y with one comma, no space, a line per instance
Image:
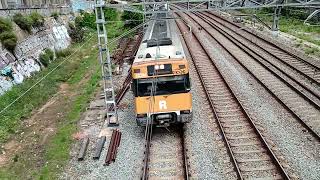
161,85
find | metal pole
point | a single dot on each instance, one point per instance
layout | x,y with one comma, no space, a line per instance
275,23
104,58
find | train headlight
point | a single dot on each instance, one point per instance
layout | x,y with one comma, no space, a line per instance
182,66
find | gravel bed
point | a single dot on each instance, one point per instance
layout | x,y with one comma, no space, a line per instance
296,146
130,151
280,39
208,156
166,158
129,157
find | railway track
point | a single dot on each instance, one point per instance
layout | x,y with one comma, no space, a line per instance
165,155
250,154
308,70
299,98
272,58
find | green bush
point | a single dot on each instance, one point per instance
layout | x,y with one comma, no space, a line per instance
46,57
89,20
7,36
55,15
78,22
8,40
86,20
24,22
135,17
37,19
110,14
63,53
312,50
50,53
76,32
5,25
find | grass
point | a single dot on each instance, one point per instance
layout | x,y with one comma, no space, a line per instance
10,119
297,28
73,68
57,153
293,26
57,149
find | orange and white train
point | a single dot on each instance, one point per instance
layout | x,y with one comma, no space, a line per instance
160,71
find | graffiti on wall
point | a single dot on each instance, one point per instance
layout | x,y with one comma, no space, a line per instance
14,70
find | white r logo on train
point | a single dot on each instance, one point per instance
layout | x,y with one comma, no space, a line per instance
162,104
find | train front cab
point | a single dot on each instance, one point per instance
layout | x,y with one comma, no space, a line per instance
172,101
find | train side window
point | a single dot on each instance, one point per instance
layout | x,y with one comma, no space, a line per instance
134,87
187,82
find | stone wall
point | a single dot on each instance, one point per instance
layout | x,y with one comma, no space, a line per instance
25,61
42,11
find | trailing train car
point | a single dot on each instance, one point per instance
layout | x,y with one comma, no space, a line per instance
160,72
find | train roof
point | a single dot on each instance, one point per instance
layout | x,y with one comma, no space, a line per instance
162,39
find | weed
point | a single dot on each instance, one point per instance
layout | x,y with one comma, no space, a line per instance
8,40
55,15
24,22
311,50
76,32
5,25
37,19
7,37
50,53
63,53
133,18
46,57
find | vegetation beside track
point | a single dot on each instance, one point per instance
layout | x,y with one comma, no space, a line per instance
292,22
11,118
56,150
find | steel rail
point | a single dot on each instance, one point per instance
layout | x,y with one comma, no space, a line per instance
316,67
234,162
125,87
268,42
262,139
148,136
184,154
256,56
302,122
312,80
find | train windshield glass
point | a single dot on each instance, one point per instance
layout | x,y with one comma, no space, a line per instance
163,85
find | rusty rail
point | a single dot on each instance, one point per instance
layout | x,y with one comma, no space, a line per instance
113,147
83,149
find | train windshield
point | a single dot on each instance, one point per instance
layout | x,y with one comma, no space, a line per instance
162,85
